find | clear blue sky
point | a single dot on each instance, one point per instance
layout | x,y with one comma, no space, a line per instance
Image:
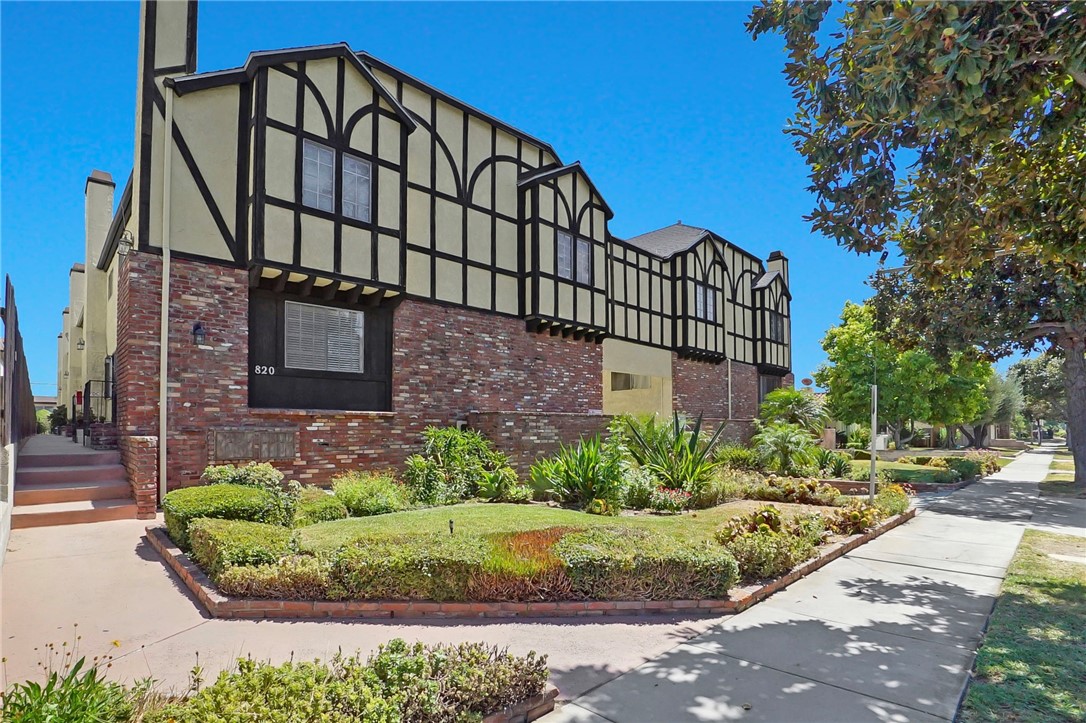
674,111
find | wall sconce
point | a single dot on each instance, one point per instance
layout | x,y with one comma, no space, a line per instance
124,245
65,375
199,334
81,345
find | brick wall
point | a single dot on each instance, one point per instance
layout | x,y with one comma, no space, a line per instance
140,458
702,388
447,362
527,436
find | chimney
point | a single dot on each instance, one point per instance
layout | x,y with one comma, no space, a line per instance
778,262
98,212
167,48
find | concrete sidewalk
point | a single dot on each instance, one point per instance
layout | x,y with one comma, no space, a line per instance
886,633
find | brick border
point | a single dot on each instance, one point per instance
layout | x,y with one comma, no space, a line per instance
526,710
739,599
857,487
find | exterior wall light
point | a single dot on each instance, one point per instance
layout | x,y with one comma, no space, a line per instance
81,345
199,334
124,245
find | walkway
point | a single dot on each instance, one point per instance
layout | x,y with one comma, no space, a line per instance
886,633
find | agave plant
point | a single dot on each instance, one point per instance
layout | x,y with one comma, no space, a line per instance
680,457
785,447
588,475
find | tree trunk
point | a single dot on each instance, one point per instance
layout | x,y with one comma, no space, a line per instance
1074,372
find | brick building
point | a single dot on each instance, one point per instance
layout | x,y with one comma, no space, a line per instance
348,255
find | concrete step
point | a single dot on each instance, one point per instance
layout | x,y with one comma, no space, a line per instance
31,476
72,513
44,494
77,457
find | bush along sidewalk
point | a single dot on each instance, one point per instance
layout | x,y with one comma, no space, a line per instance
400,683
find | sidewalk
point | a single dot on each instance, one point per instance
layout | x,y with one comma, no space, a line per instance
886,633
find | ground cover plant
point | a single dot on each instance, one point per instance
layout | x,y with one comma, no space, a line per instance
399,683
1030,666
902,472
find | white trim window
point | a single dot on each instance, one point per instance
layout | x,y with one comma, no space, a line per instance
318,176
704,302
565,255
323,338
584,261
356,188
776,326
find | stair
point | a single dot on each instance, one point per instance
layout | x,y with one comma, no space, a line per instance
62,487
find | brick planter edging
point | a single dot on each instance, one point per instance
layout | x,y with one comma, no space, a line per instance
739,599
845,486
526,710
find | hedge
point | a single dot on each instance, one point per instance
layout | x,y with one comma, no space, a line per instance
615,563
427,567
218,545
220,501
366,494
315,505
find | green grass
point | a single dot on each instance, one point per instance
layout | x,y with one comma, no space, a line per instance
1031,666
485,518
1060,465
913,472
1058,484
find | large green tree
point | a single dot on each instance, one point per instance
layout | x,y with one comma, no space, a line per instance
1043,388
1002,402
957,131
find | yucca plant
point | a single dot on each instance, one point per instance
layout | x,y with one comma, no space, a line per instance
681,457
839,467
588,475
784,447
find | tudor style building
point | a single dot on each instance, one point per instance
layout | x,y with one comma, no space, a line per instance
348,254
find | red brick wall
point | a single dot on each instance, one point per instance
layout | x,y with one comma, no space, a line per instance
702,388
527,436
447,362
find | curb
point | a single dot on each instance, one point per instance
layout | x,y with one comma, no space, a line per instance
739,599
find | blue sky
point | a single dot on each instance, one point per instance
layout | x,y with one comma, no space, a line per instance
674,111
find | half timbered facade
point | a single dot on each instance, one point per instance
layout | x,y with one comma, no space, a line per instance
343,254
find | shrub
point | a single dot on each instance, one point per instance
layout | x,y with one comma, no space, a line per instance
736,456
766,517
451,466
892,499
784,447
74,692
295,577
966,468
794,406
856,518
668,500
305,691
989,461
588,475
839,466
766,545
220,544
316,505
501,485
605,563
521,566
859,439
861,454
638,484
938,463
802,491
220,501
419,567
262,476
369,493
679,455
725,485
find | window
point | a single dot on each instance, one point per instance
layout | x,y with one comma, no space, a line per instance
704,302
109,285
565,255
622,381
356,188
323,338
584,261
318,176
766,384
776,326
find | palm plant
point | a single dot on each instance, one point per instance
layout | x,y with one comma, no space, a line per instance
793,406
784,447
681,457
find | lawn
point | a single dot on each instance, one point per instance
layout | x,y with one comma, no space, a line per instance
908,472
1031,665
484,518
1061,477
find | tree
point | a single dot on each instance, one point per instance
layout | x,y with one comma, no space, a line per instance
1002,403
958,393
794,406
1043,388
786,448
957,131
858,357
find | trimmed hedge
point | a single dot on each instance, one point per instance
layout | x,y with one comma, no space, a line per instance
315,505
218,545
427,567
615,563
295,577
220,501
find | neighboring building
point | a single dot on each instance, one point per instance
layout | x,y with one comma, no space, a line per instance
42,401
352,254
